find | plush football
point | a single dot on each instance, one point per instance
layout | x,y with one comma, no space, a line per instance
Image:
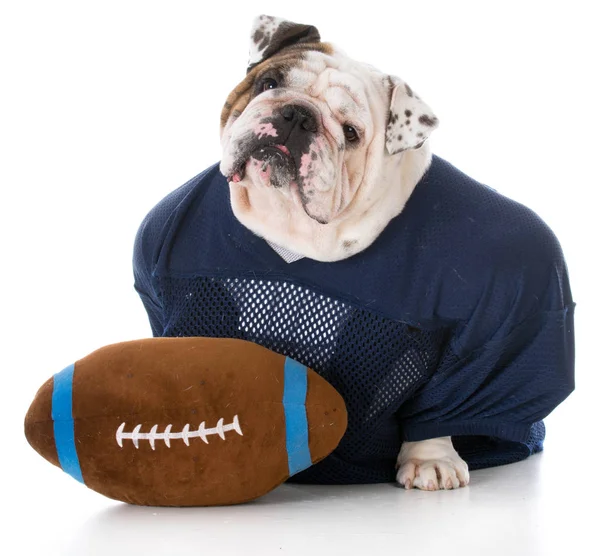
185,421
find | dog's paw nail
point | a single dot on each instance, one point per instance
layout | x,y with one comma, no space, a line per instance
408,484
449,484
430,485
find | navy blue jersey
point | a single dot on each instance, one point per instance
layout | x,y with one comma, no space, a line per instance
457,320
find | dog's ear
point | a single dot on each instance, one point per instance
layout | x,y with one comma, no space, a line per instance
271,34
410,120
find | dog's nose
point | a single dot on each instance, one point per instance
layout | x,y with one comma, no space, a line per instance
294,113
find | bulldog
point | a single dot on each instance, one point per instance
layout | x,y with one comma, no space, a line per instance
321,152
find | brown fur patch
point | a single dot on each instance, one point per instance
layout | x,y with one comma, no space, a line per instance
284,60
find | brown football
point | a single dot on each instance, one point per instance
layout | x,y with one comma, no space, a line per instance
185,421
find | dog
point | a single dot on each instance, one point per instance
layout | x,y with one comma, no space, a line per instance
331,181
341,124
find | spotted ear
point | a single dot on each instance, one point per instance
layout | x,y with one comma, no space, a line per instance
271,34
410,120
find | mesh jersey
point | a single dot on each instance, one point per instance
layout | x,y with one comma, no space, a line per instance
457,320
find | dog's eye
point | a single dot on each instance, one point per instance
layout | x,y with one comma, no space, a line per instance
267,84
350,133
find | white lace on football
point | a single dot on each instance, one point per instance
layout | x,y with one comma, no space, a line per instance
185,435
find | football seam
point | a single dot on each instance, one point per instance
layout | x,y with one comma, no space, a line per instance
135,436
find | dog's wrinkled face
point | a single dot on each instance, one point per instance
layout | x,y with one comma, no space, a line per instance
308,132
304,132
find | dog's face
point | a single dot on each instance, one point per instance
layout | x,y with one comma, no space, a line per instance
311,139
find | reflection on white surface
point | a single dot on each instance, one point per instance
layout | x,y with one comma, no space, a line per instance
525,508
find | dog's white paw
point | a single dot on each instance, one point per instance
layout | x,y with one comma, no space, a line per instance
431,464
433,474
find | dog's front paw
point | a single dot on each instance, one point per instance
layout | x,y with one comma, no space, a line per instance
431,465
434,474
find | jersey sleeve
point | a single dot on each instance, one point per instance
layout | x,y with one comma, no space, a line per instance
512,362
148,247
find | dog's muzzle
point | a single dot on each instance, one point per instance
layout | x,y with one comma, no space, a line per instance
296,127
299,116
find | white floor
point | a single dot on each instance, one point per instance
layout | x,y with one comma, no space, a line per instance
546,505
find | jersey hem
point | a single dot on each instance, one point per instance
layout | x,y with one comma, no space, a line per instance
508,431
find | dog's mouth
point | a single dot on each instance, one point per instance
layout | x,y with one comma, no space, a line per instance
281,148
276,157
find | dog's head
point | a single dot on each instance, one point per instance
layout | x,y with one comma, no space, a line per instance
313,143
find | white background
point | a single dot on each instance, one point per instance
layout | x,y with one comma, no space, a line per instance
105,107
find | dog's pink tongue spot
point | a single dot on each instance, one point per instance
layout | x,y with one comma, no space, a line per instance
236,178
283,149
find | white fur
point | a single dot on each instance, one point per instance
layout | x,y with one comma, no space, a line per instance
431,464
358,207
412,120
267,25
